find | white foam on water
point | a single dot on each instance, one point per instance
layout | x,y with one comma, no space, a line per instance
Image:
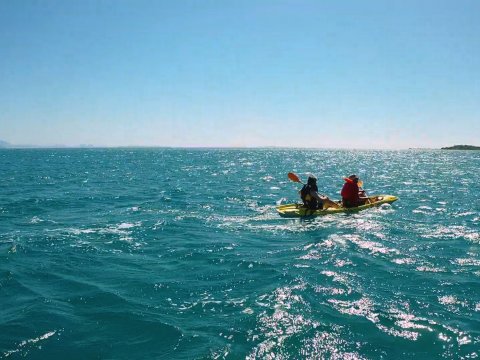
331,290
404,261
336,276
373,246
462,214
279,326
334,240
76,231
312,255
128,225
427,268
328,343
448,300
341,263
466,262
452,232
405,324
24,344
426,210
36,220
363,307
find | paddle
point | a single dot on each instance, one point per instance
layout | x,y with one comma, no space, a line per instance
294,177
360,186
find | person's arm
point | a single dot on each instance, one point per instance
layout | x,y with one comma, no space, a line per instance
356,193
361,193
315,195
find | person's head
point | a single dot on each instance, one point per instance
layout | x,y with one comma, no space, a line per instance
312,180
354,178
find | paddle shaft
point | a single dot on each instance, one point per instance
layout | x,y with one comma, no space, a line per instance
368,199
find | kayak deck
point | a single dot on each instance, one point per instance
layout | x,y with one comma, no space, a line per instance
298,210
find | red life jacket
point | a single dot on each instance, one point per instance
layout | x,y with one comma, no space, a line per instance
350,191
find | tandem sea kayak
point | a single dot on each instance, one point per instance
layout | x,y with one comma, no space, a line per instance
298,210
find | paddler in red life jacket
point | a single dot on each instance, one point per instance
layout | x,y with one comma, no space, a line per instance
352,196
311,199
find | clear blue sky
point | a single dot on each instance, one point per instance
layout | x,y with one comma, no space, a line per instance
350,74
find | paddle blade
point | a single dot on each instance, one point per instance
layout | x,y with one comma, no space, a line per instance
360,183
294,177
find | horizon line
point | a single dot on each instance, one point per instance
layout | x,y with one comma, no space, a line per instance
26,147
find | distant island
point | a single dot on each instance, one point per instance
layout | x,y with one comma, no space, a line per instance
461,147
4,144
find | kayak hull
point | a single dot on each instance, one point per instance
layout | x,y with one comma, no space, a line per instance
297,210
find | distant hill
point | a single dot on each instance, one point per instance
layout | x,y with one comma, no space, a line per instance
7,145
4,144
461,147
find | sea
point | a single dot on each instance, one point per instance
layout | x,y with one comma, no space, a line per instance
164,253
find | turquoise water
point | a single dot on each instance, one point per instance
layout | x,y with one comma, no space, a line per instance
179,254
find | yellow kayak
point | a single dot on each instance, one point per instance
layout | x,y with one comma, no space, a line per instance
298,210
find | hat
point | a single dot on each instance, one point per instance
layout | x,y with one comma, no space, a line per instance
353,177
311,179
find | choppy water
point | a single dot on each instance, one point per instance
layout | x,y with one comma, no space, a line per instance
179,254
